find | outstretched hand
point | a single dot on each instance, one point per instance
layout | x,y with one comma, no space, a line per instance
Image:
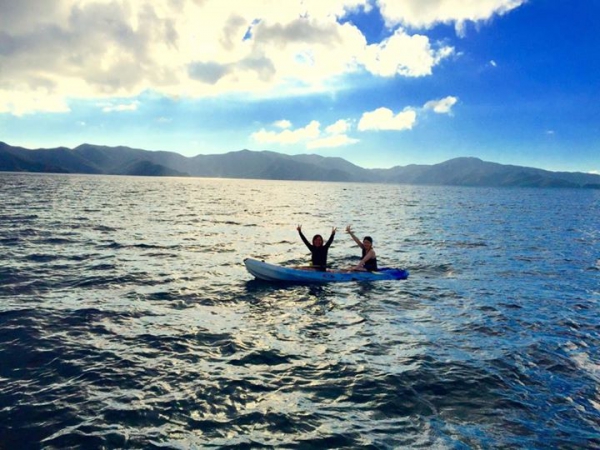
333,230
349,229
299,228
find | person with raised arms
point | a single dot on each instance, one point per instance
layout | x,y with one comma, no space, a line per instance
368,261
317,249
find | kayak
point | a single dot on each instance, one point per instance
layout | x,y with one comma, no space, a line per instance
271,272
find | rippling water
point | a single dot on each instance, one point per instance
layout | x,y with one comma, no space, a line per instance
127,319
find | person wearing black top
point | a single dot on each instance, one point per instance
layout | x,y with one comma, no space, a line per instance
317,249
368,260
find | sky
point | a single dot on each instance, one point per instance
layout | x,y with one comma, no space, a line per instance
380,83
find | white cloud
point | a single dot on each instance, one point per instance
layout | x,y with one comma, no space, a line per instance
336,140
284,124
310,131
340,127
38,99
133,106
442,106
385,119
333,136
99,49
425,14
403,54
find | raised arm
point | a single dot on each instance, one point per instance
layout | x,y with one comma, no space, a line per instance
353,236
299,228
330,240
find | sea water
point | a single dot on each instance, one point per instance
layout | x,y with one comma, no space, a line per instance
127,319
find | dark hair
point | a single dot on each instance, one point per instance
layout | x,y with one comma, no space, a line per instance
368,238
317,236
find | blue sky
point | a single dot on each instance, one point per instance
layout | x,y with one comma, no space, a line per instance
378,82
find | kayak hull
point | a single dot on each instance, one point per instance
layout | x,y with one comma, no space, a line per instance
271,272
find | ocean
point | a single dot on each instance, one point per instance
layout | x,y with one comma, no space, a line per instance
127,319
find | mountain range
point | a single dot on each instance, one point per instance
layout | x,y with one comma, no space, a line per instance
96,159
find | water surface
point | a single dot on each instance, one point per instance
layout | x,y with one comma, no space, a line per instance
127,319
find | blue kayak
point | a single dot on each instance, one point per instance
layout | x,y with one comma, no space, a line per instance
271,272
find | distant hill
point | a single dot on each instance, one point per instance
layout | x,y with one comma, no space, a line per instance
97,159
475,172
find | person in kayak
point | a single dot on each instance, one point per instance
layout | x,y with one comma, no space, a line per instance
368,261
317,249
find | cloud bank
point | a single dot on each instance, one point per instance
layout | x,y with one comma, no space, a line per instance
53,52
